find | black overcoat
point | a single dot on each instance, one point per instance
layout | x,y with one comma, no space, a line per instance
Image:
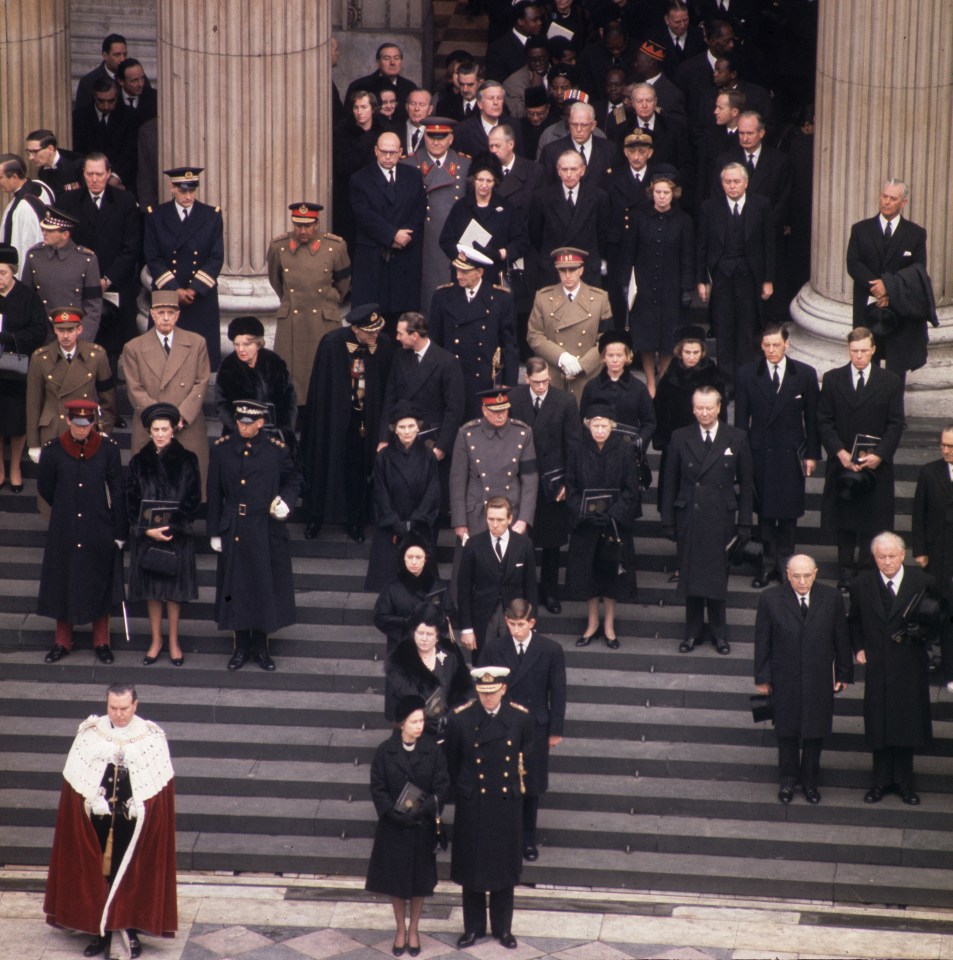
401,597
327,418
782,432
673,398
254,583
896,678
407,675
629,399
932,527
406,490
612,468
539,684
802,657
760,240
24,329
403,863
83,486
269,381
172,475
841,416
483,754
707,493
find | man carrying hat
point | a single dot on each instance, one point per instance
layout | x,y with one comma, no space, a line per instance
80,477
167,364
488,746
311,273
61,271
184,250
253,485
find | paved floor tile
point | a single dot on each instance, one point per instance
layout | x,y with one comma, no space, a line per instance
490,949
232,941
323,944
592,951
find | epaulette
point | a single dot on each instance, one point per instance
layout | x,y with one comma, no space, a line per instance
464,706
443,286
333,236
48,442
108,437
83,249
473,423
520,423
222,439
518,706
36,246
499,286
277,442
149,209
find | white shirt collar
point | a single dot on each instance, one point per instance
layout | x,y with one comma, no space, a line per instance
893,223
740,201
162,336
542,396
423,350
180,210
855,374
799,597
755,153
525,643
782,366
639,174
387,173
712,430
711,60
651,80
896,579
508,167
520,36
571,293
504,540
475,290
487,127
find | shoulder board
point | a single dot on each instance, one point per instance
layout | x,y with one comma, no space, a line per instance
518,706
108,439
36,246
519,423
149,209
473,423
221,440
277,443
280,237
464,706
218,209
443,286
499,286
83,249
333,236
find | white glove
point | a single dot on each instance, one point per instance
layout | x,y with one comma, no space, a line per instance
215,543
603,268
569,365
279,509
34,454
120,543
99,807
133,808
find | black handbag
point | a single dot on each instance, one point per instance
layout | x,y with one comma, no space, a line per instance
607,561
13,364
160,561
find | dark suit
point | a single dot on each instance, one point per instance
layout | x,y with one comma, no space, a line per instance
669,145
611,120
671,100
691,44
470,138
505,56
118,140
795,654
537,681
896,678
694,79
84,89
736,260
147,105
376,81
485,586
782,433
842,414
771,179
601,154
628,197
382,274
65,177
708,495
521,183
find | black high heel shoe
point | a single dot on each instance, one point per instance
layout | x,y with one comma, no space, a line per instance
148,661
177,661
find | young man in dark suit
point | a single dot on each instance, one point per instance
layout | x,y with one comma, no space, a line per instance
537,681
106,126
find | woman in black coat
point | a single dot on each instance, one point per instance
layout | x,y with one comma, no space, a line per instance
662,250
406,490
604,461
23,330
163,470
403,863
429,666
505,224
254,373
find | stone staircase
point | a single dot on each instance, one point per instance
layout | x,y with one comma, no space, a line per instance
662,783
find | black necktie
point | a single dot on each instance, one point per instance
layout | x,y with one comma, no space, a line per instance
165,345
520,652
69,358
647,129
888,231
538,404
415,140
185,214
776,379
570,201
499,550
582,153
890,589
804,608
737,210
467,110
505,172
569,295
750,163
129,100
860,381
889,596
103,119
708,440
98,201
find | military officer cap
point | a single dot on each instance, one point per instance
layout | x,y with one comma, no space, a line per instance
468,258
63,317
599,411
245,327
248,411
568,257
536,97
81,412
366,318
614,336
407,705
496,399
638,138
489,679
56,219
304,212
185,177
9,255
438,127
160,411
165,298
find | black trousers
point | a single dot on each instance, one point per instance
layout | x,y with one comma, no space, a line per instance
252,642
501,911
777,537
799,761
893,765
695,617
530,813
736,317
847,543
549,572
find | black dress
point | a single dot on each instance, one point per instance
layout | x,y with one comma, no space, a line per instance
398,600
23,330
403,863
611,468
267,382
171,474
406,491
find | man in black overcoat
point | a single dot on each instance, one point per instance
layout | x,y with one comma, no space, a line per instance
252,487
856,400
537,681
776,403
800,634
342,421
706,502
932,536
106,126
599,154
554,417
489,744
496,567
387,76
896,680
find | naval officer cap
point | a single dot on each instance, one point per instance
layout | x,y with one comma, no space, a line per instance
81,412
489,679
304,212
638,138
185,177
366,318
248,411
469,258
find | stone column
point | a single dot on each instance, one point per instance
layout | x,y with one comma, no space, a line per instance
245,93
34,71
884,108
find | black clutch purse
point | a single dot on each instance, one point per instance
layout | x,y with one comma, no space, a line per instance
607,561
411,800
160,561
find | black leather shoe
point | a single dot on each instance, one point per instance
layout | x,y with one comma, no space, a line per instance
874,795
16,487
264,661
553,605
761,581
686,646
356,533
786,794
57,653
96,946
148,661
104,654
176,661
135,947
397,951
812,795
530,852
721,645
413,951
612,642
910,797
466,940
584,641
239,659
312,530
508,940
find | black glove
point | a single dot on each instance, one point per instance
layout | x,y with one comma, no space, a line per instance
401,818
744,533
600,520
686,298
668,533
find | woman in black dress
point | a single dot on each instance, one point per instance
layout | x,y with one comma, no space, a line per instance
403,864
430,666
254,373
662,250
406,490
22,329
605,462
163,470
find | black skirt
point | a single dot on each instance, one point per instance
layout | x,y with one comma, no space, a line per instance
12,407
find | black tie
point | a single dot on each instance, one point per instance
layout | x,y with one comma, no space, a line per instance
520,652
647,129
467,110
185,214
415,140
890,589
505,172
69,358
98,201
582,153
737,211
776,380
804,608
570,297
750,163
889,597
708,440
570,201
860,381
165,345
129,101
888,232
499,550
102,120
538,404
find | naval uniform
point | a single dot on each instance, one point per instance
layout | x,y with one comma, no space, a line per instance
68,277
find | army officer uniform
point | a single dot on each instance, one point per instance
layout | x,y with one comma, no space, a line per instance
68,276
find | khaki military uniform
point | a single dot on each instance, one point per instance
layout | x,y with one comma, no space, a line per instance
312,281
558,326
68,277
